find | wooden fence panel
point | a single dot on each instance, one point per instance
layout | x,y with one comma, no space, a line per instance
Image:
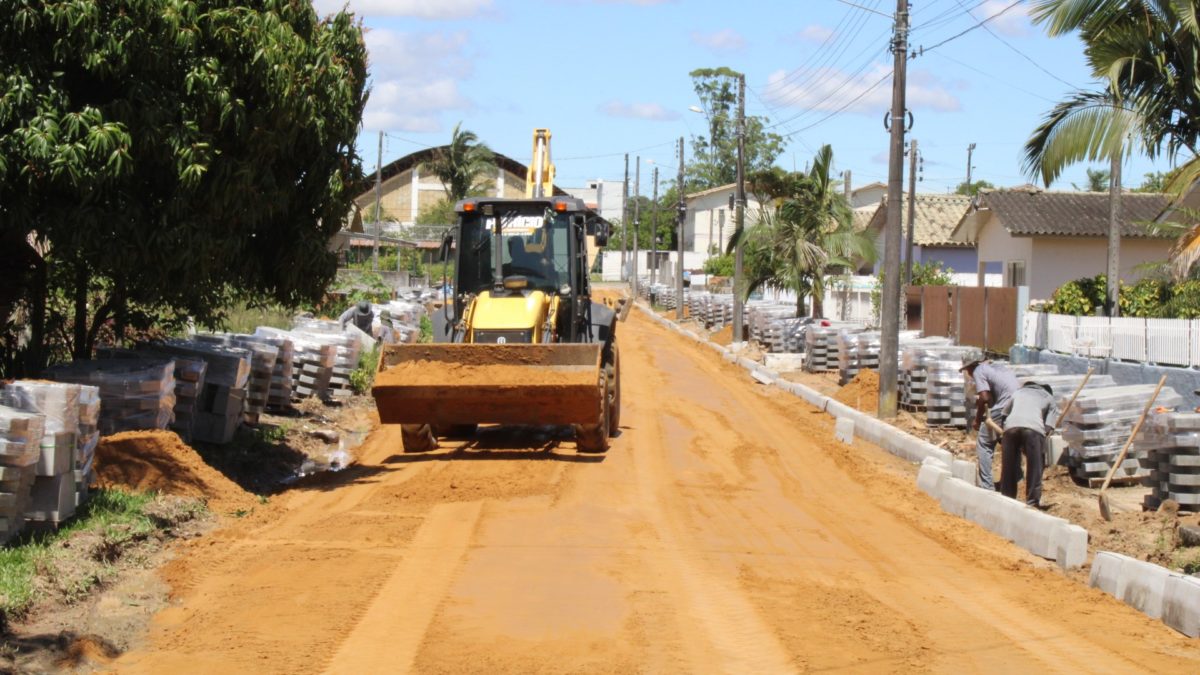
970,315
1001,318
935,310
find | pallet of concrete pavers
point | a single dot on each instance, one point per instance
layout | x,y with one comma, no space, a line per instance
21,436
52,499
262,367
134,393
189,380
280,393
1098,424
1170,444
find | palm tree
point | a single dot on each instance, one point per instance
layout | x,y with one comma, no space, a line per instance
1147,55
462,164
803,232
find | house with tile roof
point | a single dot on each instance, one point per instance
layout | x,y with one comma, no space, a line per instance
935,218
1045,239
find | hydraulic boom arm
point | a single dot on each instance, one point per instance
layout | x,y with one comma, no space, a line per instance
539,181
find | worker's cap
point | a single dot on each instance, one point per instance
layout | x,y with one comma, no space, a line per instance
364,307
1043,385
384,314
969,362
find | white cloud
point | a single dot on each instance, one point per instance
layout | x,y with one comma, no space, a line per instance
815,33
727,40
640,3
1014,22
418,9
828,89
641,111
414,78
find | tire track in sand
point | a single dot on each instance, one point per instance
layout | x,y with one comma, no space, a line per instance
388,636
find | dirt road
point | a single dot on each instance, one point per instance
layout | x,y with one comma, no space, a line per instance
725,531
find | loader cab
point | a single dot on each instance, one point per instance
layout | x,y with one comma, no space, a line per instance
524,247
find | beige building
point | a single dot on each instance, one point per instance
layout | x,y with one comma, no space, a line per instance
407,189
709,224
1044,239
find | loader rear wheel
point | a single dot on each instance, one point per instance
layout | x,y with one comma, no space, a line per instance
613,370
417,437
594,437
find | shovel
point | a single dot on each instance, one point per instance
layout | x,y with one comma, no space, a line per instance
1105,511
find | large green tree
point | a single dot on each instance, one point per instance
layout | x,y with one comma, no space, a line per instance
804,232
161,158
714,160
463,166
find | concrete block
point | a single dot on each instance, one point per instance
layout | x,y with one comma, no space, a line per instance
1106,573
964,470
729,356
1181,604
1070,545
784,362
843,430
1144,586
761,376
1056,447
1036,532
747,363
943,456
957,497
839,409
931,477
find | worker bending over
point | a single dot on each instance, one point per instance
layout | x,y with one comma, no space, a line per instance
994,385
1027,418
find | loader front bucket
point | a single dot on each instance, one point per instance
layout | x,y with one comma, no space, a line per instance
450,384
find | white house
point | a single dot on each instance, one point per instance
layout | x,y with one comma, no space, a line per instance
710,217
1045,239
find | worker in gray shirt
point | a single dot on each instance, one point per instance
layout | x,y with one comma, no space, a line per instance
994,385
361,314
1027,420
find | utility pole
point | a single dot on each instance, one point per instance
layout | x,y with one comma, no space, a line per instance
1114,237
681,217
740,215
889,339
846,284
654,231
378,203
624,215
637,219
912,210
970,151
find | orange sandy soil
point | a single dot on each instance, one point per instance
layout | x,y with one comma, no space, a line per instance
724,531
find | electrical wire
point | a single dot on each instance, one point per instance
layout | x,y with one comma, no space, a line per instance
968,30
1020,53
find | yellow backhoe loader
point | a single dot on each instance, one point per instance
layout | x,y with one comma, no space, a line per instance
521,340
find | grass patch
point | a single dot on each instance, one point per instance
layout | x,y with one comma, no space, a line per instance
1188,560
243,319
362,377
83,553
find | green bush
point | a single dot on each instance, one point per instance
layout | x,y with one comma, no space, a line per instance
720,266
1185,300
1149,298
1079,298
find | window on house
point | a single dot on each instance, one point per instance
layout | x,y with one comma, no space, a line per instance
1014,273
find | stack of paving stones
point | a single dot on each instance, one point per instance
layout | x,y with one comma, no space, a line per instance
189,380
20,448
346,348
135,394
1169,447
222,399
263,356
1032,370
86,441
713,310
279,397
405,319
1097,426
848,356
946,397
52,497
1065,383
821,345
916,356
771,325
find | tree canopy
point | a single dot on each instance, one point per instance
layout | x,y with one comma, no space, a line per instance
714,160
169,156
973,188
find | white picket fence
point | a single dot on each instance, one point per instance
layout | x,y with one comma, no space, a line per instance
1174,342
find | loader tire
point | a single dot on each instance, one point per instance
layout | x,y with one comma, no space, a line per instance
417,437
455,430
613,370
594,437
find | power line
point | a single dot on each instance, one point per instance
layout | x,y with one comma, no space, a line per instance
980,24
1022,54
849,103
993,77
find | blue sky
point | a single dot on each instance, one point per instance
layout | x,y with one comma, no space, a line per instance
611,76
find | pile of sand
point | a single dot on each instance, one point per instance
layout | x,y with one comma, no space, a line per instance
159,461
724,336
862,392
